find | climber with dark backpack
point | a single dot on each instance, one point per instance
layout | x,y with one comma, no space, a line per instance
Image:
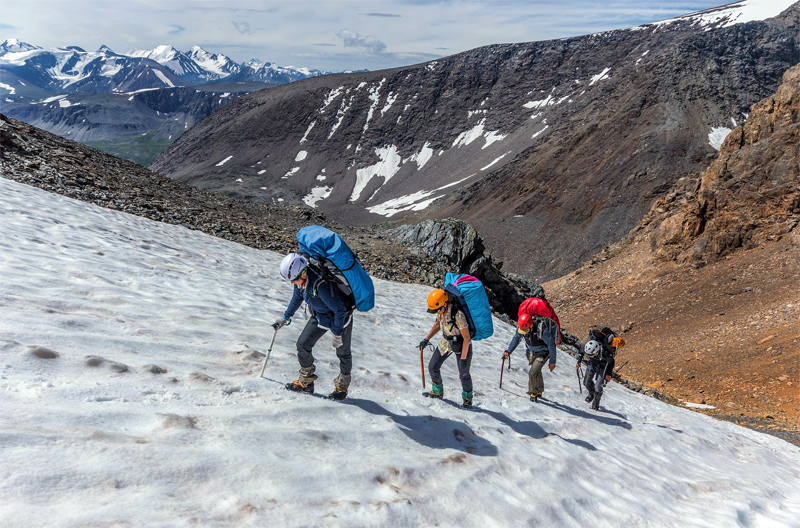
601,351
539,328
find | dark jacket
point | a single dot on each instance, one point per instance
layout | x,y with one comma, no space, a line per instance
324,299
540,346
604,361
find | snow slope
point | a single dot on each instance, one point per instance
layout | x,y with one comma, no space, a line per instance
94,437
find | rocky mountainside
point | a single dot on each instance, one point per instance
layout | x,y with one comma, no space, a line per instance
564,145
707,286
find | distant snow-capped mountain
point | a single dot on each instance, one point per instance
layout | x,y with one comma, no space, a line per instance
13,45
25,67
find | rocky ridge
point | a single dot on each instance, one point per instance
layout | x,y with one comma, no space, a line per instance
707,287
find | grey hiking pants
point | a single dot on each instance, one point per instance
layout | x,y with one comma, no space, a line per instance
309,337
594,377
437,360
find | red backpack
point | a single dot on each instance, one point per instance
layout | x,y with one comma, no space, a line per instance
535,306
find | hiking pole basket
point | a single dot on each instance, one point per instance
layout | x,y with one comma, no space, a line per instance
422,366
269,350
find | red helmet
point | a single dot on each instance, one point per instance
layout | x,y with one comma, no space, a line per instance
525,321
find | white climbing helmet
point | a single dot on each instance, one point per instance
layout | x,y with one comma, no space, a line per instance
292,266
592,348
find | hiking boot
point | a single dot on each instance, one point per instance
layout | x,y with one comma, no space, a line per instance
298,386
534,396
467,399
589,398
596,401
338,394
437,391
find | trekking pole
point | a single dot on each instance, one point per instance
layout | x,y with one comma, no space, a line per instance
269,350
501,370
422,366
620,367
604,375
578,373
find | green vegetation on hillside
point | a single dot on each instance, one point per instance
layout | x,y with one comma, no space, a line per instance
141,149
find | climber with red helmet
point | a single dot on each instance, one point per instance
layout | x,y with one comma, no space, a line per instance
455,339
539,334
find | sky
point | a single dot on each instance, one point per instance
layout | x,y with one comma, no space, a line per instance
330,35
130,367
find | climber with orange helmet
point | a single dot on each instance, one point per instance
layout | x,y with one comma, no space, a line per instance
539,334
455,339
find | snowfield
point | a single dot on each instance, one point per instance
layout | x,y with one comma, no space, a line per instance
130,354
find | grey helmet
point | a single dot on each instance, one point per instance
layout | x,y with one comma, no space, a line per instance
592,348
292,266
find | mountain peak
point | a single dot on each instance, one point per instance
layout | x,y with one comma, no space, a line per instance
14,45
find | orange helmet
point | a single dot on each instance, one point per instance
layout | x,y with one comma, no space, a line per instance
436,299
525,321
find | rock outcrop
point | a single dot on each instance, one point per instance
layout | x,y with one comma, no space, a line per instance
748,196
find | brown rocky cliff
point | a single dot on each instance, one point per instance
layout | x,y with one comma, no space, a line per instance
706,289
749,195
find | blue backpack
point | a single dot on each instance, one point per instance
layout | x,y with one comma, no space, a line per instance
334,261
470,296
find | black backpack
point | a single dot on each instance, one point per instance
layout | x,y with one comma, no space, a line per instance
328,272
604,335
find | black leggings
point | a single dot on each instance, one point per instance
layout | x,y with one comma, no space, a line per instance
435,368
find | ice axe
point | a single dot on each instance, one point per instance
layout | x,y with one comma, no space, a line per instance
269,350
422,366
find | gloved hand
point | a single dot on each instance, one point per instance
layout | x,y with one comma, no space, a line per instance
280,323
552,366
423,343
337,341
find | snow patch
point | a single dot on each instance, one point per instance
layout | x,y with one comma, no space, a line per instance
387,167
317,194
423,156
301,156
717,136
223,162
303,139
600,76
163,78
412,202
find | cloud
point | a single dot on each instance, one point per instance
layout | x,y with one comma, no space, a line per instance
370,44
176,29
7,27
242,27
388,15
